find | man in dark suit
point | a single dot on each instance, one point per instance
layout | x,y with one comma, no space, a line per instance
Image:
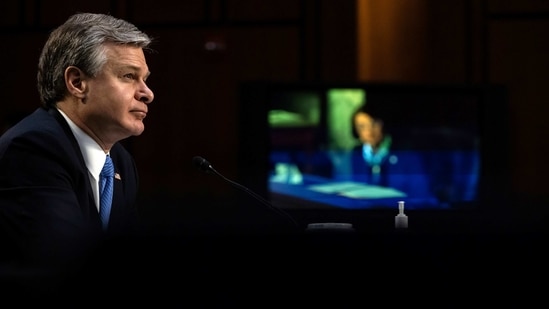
92,77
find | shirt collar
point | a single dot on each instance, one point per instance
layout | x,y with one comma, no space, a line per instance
93,154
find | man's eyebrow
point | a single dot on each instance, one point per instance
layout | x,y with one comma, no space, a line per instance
135,68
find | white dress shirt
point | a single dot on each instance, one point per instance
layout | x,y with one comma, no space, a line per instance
93,154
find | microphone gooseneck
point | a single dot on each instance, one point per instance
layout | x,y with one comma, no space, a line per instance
205,166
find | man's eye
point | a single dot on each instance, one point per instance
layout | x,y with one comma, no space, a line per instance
130,76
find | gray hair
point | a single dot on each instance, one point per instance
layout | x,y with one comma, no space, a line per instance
80,42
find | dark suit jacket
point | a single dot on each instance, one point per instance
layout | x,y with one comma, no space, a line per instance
402,170
434,178
47,208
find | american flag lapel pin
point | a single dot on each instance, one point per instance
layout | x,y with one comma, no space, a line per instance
117,176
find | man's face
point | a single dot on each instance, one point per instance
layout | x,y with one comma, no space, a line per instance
369,130
117,98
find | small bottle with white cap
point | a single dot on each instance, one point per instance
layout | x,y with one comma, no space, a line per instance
401,219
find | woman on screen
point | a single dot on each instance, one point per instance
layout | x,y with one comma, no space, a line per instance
375,161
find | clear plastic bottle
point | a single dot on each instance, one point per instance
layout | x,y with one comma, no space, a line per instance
401,219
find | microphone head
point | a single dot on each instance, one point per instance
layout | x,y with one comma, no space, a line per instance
202,164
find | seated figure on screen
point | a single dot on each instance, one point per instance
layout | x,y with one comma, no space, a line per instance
377,159
374,146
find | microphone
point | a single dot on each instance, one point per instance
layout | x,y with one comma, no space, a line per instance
206,167
203,164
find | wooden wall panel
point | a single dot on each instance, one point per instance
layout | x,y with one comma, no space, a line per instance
12,12
55,12
518,52
19,59
265,10
412,41
337,44
166,11
517,7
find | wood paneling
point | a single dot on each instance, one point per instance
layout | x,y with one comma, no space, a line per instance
517,7
11,13
54,12
167,11
518,52
412,41
265,10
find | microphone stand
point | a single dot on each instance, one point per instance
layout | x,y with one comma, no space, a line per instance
205,166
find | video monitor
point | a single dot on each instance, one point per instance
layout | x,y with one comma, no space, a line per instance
370,146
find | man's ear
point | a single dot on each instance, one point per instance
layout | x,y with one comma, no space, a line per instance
75,82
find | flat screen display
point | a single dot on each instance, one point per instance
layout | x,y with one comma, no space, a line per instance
371,146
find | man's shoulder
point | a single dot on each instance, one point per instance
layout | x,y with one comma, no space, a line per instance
38,119
37,131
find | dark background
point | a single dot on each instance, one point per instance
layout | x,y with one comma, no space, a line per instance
195,111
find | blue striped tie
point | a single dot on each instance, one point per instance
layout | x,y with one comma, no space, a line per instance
105,191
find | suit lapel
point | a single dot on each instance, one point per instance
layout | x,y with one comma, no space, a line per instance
91,209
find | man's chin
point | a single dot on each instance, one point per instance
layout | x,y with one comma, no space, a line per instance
137,129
